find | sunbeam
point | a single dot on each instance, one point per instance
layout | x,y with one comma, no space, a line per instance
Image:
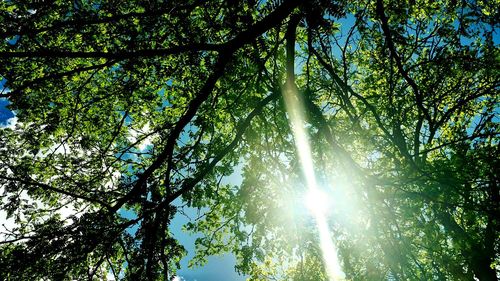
315,200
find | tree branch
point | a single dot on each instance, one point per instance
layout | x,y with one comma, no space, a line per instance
117,55
399,64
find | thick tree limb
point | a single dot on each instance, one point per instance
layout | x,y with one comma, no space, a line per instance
189,184
248,36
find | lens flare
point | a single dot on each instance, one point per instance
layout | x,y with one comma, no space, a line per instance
315,200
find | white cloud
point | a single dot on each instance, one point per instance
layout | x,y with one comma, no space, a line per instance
9,123
7,224
110,276
134,134
113,181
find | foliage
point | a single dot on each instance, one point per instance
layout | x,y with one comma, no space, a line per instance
144,107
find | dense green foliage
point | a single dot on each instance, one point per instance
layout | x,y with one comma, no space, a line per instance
146,106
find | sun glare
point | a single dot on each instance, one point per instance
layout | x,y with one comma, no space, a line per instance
316,200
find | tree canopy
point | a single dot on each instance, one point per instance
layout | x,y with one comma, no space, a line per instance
144,107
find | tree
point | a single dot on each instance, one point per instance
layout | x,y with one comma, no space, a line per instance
134,106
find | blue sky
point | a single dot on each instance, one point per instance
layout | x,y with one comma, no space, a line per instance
4,112
218,268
